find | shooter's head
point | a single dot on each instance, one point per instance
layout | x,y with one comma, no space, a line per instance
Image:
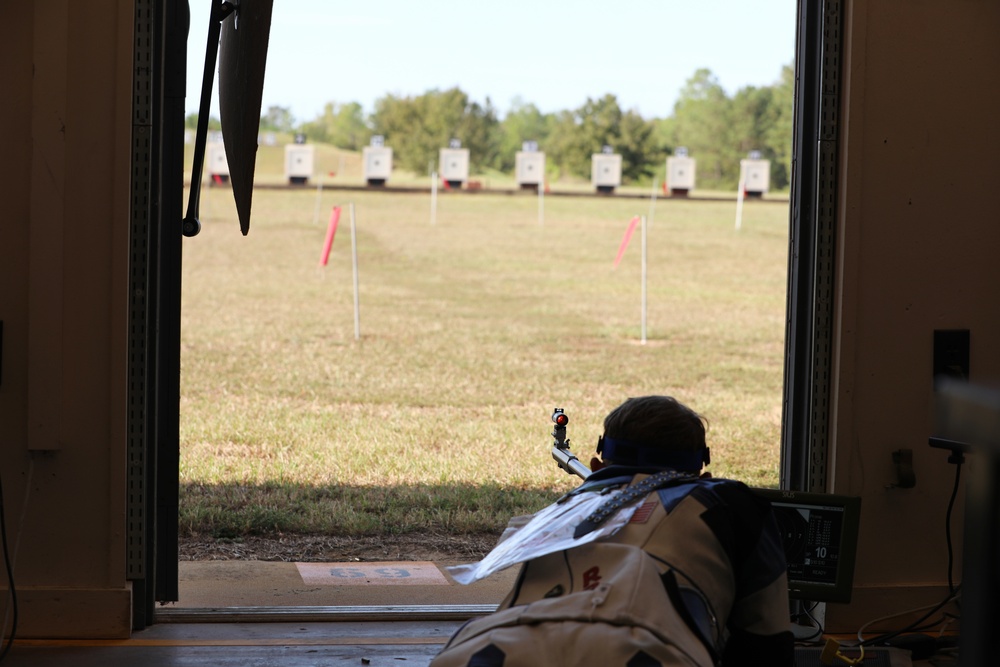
654,431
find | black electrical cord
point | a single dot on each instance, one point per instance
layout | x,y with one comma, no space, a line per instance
807,611
957,458
912,627
10,576
947,526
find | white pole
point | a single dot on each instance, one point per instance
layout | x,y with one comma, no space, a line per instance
541,201
652,202
739,198
643,280
319,195
434,197
354,265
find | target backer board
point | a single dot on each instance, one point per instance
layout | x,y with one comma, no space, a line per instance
756,175
529,167
215,160
299,161
606,170
454,164
376,162
680,172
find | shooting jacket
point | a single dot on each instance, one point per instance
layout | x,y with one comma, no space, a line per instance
718,594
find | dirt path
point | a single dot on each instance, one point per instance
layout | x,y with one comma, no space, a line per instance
319,548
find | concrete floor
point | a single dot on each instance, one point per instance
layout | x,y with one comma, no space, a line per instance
257,614
250,613
365,644
214,584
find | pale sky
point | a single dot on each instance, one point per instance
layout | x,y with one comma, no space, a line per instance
553,53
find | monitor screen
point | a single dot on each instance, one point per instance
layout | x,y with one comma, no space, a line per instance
820,535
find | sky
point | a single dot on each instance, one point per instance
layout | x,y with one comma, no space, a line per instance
554,54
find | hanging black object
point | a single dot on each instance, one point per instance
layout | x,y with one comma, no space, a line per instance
237,33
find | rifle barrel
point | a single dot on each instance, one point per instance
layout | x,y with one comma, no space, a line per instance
568,462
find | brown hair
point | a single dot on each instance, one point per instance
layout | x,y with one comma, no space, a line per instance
657,421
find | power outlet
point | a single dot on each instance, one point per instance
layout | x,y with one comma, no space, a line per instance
951,355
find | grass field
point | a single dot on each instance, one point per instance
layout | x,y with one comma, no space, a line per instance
473,329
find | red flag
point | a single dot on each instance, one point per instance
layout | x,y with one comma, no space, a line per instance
625,240
330,232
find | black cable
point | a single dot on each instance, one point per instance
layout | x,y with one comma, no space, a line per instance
957,458
816,624
912,626
10,575
947,527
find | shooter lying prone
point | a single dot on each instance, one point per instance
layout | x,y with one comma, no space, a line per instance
649,561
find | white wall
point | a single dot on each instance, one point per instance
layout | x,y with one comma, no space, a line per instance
65,72
918,247
918,238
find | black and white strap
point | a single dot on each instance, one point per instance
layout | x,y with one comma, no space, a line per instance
629,495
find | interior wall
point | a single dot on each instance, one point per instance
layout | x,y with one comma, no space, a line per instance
917,239
917,253
65,73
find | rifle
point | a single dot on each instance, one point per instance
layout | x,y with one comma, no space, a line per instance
560,447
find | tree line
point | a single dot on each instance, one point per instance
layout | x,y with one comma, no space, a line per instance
718,130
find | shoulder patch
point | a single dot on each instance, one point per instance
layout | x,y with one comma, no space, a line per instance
643,513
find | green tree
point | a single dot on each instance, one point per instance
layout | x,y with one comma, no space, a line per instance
636,144
342,125
479,131
720,131
523,122
753,114
191,122
762,120
779,136
563,147
277,119
663,141
417,128
578,134
398,119
701,122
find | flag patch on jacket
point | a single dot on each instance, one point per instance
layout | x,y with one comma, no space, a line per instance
643,513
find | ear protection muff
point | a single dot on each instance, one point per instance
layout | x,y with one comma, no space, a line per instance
625,452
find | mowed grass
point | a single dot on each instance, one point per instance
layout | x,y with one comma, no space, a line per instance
437,420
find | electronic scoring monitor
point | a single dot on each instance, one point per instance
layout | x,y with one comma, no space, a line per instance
820,535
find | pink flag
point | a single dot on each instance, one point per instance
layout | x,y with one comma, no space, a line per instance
625,240
330,232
